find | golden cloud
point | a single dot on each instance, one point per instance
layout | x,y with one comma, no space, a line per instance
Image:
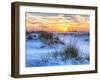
58,23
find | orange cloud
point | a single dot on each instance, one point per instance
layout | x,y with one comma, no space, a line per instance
58,23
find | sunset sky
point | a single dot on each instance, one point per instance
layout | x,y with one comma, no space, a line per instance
53,22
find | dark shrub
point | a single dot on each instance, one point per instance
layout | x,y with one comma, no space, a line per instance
86,40
87,57
70,51
46,35
29,36
73,50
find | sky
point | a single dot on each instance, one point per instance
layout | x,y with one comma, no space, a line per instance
56,22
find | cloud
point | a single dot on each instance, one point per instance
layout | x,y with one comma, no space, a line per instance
56,23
